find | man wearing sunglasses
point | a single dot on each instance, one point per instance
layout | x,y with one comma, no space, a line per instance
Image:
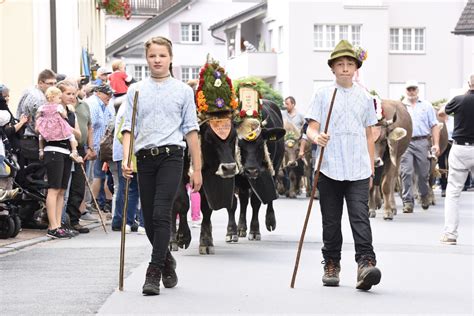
416,158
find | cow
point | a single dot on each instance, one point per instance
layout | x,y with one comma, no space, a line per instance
393,135
292,169
219,168
259,157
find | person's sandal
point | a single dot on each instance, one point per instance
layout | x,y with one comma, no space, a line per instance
75,157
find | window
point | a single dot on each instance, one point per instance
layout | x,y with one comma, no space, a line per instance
407,40
190,33
140,72
189,72
325,37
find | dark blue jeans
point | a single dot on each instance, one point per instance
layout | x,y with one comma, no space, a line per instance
331,198
158,180
133,196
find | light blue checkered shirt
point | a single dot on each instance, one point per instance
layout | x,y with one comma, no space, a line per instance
423,117
346,156
101,115
166,112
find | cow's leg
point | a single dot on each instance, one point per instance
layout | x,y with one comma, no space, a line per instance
254,233
244,201
372,206
206,244
173,237
293,184
270,219
388,187
181,205
231,235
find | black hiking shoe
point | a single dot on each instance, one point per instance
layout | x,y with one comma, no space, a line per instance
331,273
367,274
170,279
152,281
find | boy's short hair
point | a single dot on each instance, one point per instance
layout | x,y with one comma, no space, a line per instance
292,99
45,75
52,92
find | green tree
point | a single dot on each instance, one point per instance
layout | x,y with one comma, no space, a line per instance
267,92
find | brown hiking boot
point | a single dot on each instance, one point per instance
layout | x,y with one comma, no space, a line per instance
331,273
367,275
152,281
425,202
170,279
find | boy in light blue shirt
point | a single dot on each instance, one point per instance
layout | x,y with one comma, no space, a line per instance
347,167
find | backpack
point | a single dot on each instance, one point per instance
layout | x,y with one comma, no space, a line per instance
106,145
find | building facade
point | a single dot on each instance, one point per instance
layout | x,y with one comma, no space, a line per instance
405,40
44,34
184,22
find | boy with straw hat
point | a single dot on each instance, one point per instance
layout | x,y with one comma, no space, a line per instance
347,168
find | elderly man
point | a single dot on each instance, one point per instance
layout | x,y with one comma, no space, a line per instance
416,158
461,158
101,115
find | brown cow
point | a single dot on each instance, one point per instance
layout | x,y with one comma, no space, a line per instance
394,135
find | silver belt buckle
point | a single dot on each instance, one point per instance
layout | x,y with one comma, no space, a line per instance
167,150
155,151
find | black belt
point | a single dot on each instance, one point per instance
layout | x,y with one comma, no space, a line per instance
155,151
419,137
463,143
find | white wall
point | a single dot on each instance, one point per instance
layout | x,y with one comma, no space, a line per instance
68,39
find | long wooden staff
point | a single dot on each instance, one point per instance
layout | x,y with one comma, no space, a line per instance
313,192
94,199
127,186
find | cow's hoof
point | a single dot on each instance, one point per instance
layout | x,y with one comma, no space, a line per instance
231,238
241,232
394,211
372,213
270,222
206,250
184,241
173,246
388,215
255,236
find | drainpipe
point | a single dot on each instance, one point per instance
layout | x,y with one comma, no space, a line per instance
54,44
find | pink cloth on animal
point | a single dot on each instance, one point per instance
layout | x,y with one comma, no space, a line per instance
51,125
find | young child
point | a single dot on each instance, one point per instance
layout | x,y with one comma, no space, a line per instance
119,79
347,167
51,123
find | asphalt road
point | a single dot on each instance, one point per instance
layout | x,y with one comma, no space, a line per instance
419,275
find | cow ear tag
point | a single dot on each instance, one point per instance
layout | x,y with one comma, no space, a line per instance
221,127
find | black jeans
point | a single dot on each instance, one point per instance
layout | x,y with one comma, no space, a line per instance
76,190
158,180
331,198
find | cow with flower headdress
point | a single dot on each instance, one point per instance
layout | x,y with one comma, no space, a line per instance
259,153
215,104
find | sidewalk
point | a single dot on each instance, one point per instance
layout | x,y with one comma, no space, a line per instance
28,237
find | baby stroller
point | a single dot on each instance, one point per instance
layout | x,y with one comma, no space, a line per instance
10,222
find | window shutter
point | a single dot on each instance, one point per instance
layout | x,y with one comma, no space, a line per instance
177,72
174,32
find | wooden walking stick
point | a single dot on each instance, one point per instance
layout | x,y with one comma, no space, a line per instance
94,199
127,186
313,192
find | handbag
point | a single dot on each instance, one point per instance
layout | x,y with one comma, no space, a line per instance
106,145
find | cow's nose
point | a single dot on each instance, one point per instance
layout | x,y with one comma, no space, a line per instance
292,164
228,169
378,162
251,172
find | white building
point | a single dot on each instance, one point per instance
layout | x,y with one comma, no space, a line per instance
40,34
184,22
405,40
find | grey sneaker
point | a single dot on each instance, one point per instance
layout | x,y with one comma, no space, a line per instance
89,217
408,207
445,239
